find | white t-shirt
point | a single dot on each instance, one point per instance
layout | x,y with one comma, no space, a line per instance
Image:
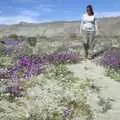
88,23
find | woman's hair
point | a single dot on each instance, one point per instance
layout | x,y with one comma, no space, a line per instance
91,9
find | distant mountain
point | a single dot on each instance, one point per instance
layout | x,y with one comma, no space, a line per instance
3,25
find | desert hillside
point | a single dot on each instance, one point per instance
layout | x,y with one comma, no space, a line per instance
108,26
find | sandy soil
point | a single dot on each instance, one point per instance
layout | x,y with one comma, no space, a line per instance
105,103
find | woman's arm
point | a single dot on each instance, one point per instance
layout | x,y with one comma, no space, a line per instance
81,25
96,27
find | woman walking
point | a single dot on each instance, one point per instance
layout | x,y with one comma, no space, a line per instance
88,30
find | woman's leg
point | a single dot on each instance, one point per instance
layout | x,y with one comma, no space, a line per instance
92,42
85,43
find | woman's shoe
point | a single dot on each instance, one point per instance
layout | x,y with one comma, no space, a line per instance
90,54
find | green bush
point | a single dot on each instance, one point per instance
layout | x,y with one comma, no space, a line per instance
32,41
5,61
2,47
73,36
13,36
113,74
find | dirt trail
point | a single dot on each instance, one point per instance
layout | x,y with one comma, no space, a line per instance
105,103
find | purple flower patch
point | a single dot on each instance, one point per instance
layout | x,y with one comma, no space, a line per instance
111,58
26,67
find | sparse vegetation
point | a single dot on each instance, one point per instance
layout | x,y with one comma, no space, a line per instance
105,104
2,47
115,75
58,95
5,61
13,36
35,83
111,59
32,41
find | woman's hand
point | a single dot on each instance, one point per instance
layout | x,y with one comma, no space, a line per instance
97,30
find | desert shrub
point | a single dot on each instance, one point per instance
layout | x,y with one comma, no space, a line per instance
73,36
13,36
22,37
22,49
32,41
5,61
113,74
2,49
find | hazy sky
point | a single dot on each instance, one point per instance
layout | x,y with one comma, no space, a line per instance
14,11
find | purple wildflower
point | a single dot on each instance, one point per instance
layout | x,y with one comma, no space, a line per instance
67,113
25,61
26,67
111,58
14,90
63,57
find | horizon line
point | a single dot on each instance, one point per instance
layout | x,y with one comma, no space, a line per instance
53,21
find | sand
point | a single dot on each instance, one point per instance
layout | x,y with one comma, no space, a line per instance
105,104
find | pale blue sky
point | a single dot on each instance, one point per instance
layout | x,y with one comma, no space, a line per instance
14,11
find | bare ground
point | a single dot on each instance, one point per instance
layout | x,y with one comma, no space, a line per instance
104,98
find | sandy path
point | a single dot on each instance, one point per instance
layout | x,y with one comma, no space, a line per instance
105,103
